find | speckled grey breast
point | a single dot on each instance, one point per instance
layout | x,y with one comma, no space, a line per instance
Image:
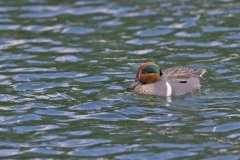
153,89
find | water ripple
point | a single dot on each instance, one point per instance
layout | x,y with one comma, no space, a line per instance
114,22
188,24
221,128
230,157
79,133
38,28
141,110
219,29
9,152
25,129
90,106
7,27
164,155
141,52
37,86
93,79
19,119
45,151
69,50
53,112
30,69
28,106
7,98
73,143
68,58
157,119
153,32
107,116
188,35
101,151
11,57
65,67
32,77
78,30
141,41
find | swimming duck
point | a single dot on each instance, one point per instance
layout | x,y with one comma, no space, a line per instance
151,80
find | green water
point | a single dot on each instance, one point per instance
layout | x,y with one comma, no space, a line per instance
65,67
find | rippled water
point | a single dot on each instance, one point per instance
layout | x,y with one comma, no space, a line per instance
65,66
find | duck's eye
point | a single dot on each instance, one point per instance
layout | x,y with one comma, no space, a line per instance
147,71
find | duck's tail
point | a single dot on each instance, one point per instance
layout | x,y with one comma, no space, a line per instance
202,72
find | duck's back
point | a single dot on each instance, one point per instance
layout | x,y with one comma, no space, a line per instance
182,73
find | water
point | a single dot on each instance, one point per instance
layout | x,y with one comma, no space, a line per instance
65,67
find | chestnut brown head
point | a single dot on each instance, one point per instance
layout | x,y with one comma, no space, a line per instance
147,73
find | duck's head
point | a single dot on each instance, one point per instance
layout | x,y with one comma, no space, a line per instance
147,73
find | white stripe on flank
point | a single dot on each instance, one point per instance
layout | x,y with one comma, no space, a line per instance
169,89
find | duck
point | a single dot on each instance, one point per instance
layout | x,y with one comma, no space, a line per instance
152,81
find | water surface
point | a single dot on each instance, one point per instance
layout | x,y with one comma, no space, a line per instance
65,67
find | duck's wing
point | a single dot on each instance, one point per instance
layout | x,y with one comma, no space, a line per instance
182,74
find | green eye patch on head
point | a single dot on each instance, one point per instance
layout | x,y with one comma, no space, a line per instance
151,69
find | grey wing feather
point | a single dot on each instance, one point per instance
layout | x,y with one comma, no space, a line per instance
181,73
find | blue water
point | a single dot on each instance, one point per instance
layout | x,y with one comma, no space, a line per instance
65,67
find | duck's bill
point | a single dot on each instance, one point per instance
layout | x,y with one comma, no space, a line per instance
133,84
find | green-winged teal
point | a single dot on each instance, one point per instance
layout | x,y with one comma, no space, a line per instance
150,80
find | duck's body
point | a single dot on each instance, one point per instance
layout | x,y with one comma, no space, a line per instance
171,82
